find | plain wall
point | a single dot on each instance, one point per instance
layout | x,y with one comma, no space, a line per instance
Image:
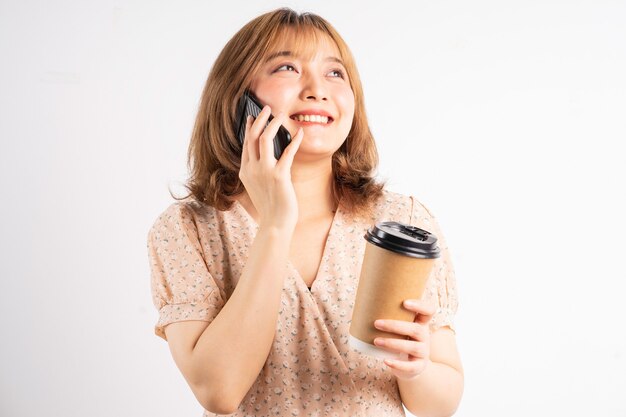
504,118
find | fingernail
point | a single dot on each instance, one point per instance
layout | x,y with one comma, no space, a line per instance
410,303
379,323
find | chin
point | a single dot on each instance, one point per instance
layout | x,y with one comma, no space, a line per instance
318,146
308,152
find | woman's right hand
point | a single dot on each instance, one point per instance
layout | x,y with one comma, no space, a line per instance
267,180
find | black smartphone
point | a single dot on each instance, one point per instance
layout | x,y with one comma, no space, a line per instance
250,105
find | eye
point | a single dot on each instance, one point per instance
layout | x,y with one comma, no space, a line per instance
340,72
285,65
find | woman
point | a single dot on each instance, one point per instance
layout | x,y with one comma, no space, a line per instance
254,273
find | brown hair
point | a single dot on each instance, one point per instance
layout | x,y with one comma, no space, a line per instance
214,155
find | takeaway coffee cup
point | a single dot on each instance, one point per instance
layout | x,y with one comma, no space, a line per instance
396,266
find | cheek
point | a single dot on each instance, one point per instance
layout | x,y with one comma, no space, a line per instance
345,97
274,93
346,102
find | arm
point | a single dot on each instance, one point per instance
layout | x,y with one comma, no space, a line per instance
431,379
221,362
431,383
436,391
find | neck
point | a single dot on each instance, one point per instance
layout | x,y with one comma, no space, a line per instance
312,182
313,186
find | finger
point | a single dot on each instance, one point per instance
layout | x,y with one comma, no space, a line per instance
266,141
252,137
260,121
424,310
405,366
245,156
286,159
410,347
405,328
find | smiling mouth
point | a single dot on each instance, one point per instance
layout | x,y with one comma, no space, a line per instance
312,119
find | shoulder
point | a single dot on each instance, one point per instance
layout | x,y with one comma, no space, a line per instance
406,208
181,215
396,205
395,198
390,200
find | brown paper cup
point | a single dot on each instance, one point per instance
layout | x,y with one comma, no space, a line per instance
389,276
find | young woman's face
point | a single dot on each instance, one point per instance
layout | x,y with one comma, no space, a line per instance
289,83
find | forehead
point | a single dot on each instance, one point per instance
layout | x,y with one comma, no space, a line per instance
304,42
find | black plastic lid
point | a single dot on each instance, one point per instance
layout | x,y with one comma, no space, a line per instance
404,239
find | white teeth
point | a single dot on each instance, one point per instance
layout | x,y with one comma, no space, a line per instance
311,118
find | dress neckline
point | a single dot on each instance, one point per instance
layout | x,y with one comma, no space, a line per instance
327,243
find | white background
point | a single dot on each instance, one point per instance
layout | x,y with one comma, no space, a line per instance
505,118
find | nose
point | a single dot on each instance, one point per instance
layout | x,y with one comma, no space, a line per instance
313,88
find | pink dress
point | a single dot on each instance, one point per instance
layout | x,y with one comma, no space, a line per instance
197,254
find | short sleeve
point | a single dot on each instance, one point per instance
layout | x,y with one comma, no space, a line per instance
182,287
442,282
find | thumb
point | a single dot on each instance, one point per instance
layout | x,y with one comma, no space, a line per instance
290,151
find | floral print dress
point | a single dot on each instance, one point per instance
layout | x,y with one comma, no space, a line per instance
196,255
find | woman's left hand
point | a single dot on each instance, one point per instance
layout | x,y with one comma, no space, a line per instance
417,347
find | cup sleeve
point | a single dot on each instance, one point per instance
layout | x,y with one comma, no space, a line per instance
442,282
182,287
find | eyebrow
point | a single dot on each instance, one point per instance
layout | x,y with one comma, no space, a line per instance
291,54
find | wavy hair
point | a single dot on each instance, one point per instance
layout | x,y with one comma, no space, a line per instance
214,154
